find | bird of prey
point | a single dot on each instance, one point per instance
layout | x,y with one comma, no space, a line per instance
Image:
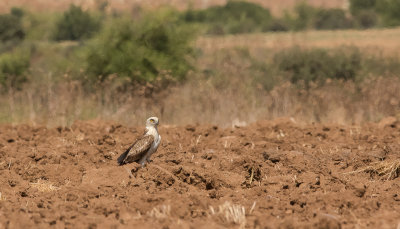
141,150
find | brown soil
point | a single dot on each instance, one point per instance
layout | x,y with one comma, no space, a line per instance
280,174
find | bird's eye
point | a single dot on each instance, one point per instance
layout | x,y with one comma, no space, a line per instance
152,120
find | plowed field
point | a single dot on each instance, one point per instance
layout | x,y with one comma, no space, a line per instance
270,174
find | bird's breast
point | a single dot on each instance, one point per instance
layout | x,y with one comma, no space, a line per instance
157,140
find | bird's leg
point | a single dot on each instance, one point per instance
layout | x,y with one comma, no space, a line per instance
142,161
143,164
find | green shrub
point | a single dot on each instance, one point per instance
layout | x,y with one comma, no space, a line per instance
367,12
234,17
379,65
389,10
309,17
11,28
366,19
18,12
331,19
357,6
304,16
76,24
13,66
278,25
364,13
157,44
317,65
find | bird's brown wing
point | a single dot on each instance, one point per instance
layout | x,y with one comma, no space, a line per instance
136,150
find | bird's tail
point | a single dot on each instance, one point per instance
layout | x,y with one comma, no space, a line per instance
122,157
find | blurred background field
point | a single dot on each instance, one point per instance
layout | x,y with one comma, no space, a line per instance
276,7
226,63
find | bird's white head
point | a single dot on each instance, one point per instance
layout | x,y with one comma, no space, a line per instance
152,121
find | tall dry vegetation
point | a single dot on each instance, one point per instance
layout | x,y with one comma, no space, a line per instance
201,102
135,67
225,90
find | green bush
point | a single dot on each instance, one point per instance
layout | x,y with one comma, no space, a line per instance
364,13
75,24
11,27
304,16
389,10
234,17
367,12
18,12
331,19
13,66
357,6
157,44
366,19
309,17
317,65
278,25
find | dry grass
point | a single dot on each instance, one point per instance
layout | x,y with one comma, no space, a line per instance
2,198
160,212
387,169
44,186
374,41
198,101
230,213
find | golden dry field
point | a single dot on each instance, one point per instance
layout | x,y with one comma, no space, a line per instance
378,41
